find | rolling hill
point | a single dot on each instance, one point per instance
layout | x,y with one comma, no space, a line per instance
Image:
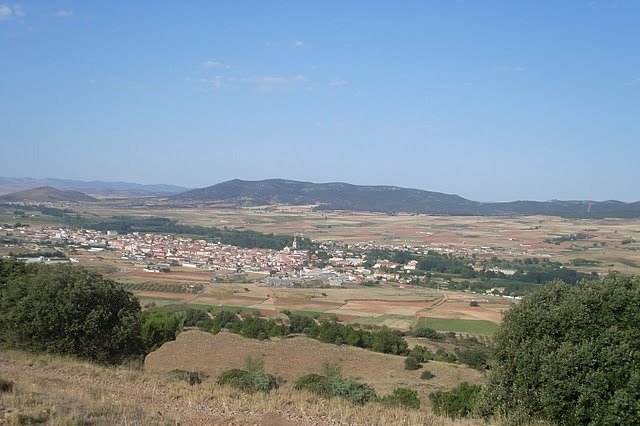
45,194
96,188
389,199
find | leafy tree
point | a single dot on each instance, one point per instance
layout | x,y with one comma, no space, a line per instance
67,310
388,342
298,323
570,355
193,316
160,327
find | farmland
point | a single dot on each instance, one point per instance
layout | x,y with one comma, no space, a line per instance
611,243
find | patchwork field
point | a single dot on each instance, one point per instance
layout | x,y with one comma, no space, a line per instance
612,243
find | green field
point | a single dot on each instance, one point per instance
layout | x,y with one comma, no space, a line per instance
481,327
390,320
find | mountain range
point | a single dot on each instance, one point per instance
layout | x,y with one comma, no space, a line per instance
324,196
47,194
95,188
389,199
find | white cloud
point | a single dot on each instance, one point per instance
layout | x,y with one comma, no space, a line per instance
210,84
18,10
5,12
63,13
512,68
301,78
211,64
338,83
298,43
267,81
8,13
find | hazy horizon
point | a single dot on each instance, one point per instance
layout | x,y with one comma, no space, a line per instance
334,181
493,100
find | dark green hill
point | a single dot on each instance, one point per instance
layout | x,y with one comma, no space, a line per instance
389,199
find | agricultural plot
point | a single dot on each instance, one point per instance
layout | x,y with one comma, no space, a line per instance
463,326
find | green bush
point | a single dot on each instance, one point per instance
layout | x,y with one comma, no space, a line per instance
253,379
5,386
459,402
401,397
315,383
67,310
353,391
410,363
333,384
426,375
160,327
570,354
474,358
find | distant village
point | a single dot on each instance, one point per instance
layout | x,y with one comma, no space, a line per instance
287,267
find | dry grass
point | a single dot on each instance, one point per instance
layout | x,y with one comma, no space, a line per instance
61,391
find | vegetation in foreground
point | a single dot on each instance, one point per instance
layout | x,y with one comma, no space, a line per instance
56,390
568,354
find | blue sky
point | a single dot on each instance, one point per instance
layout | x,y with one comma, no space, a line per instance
491,100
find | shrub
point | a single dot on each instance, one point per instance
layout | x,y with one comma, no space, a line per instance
67,310
5,386
353,391
237,378
160,327
333,384
426,375
253,379
570,353
191,377
401,397
410,363
459,402
428,333
474,358
315,383
474,304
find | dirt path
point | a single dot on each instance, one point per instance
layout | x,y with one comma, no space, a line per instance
422,313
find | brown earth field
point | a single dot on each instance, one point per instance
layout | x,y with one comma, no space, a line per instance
386,306
290,358
396,311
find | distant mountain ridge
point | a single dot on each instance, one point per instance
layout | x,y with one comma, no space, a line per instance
46,194
389,199
99,188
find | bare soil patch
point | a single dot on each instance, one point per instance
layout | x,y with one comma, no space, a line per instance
385,307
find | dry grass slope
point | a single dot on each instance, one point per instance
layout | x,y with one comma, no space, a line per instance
61,391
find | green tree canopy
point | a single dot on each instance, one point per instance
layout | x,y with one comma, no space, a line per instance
571,354
67,310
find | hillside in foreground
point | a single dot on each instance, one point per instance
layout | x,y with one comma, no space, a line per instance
57,390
